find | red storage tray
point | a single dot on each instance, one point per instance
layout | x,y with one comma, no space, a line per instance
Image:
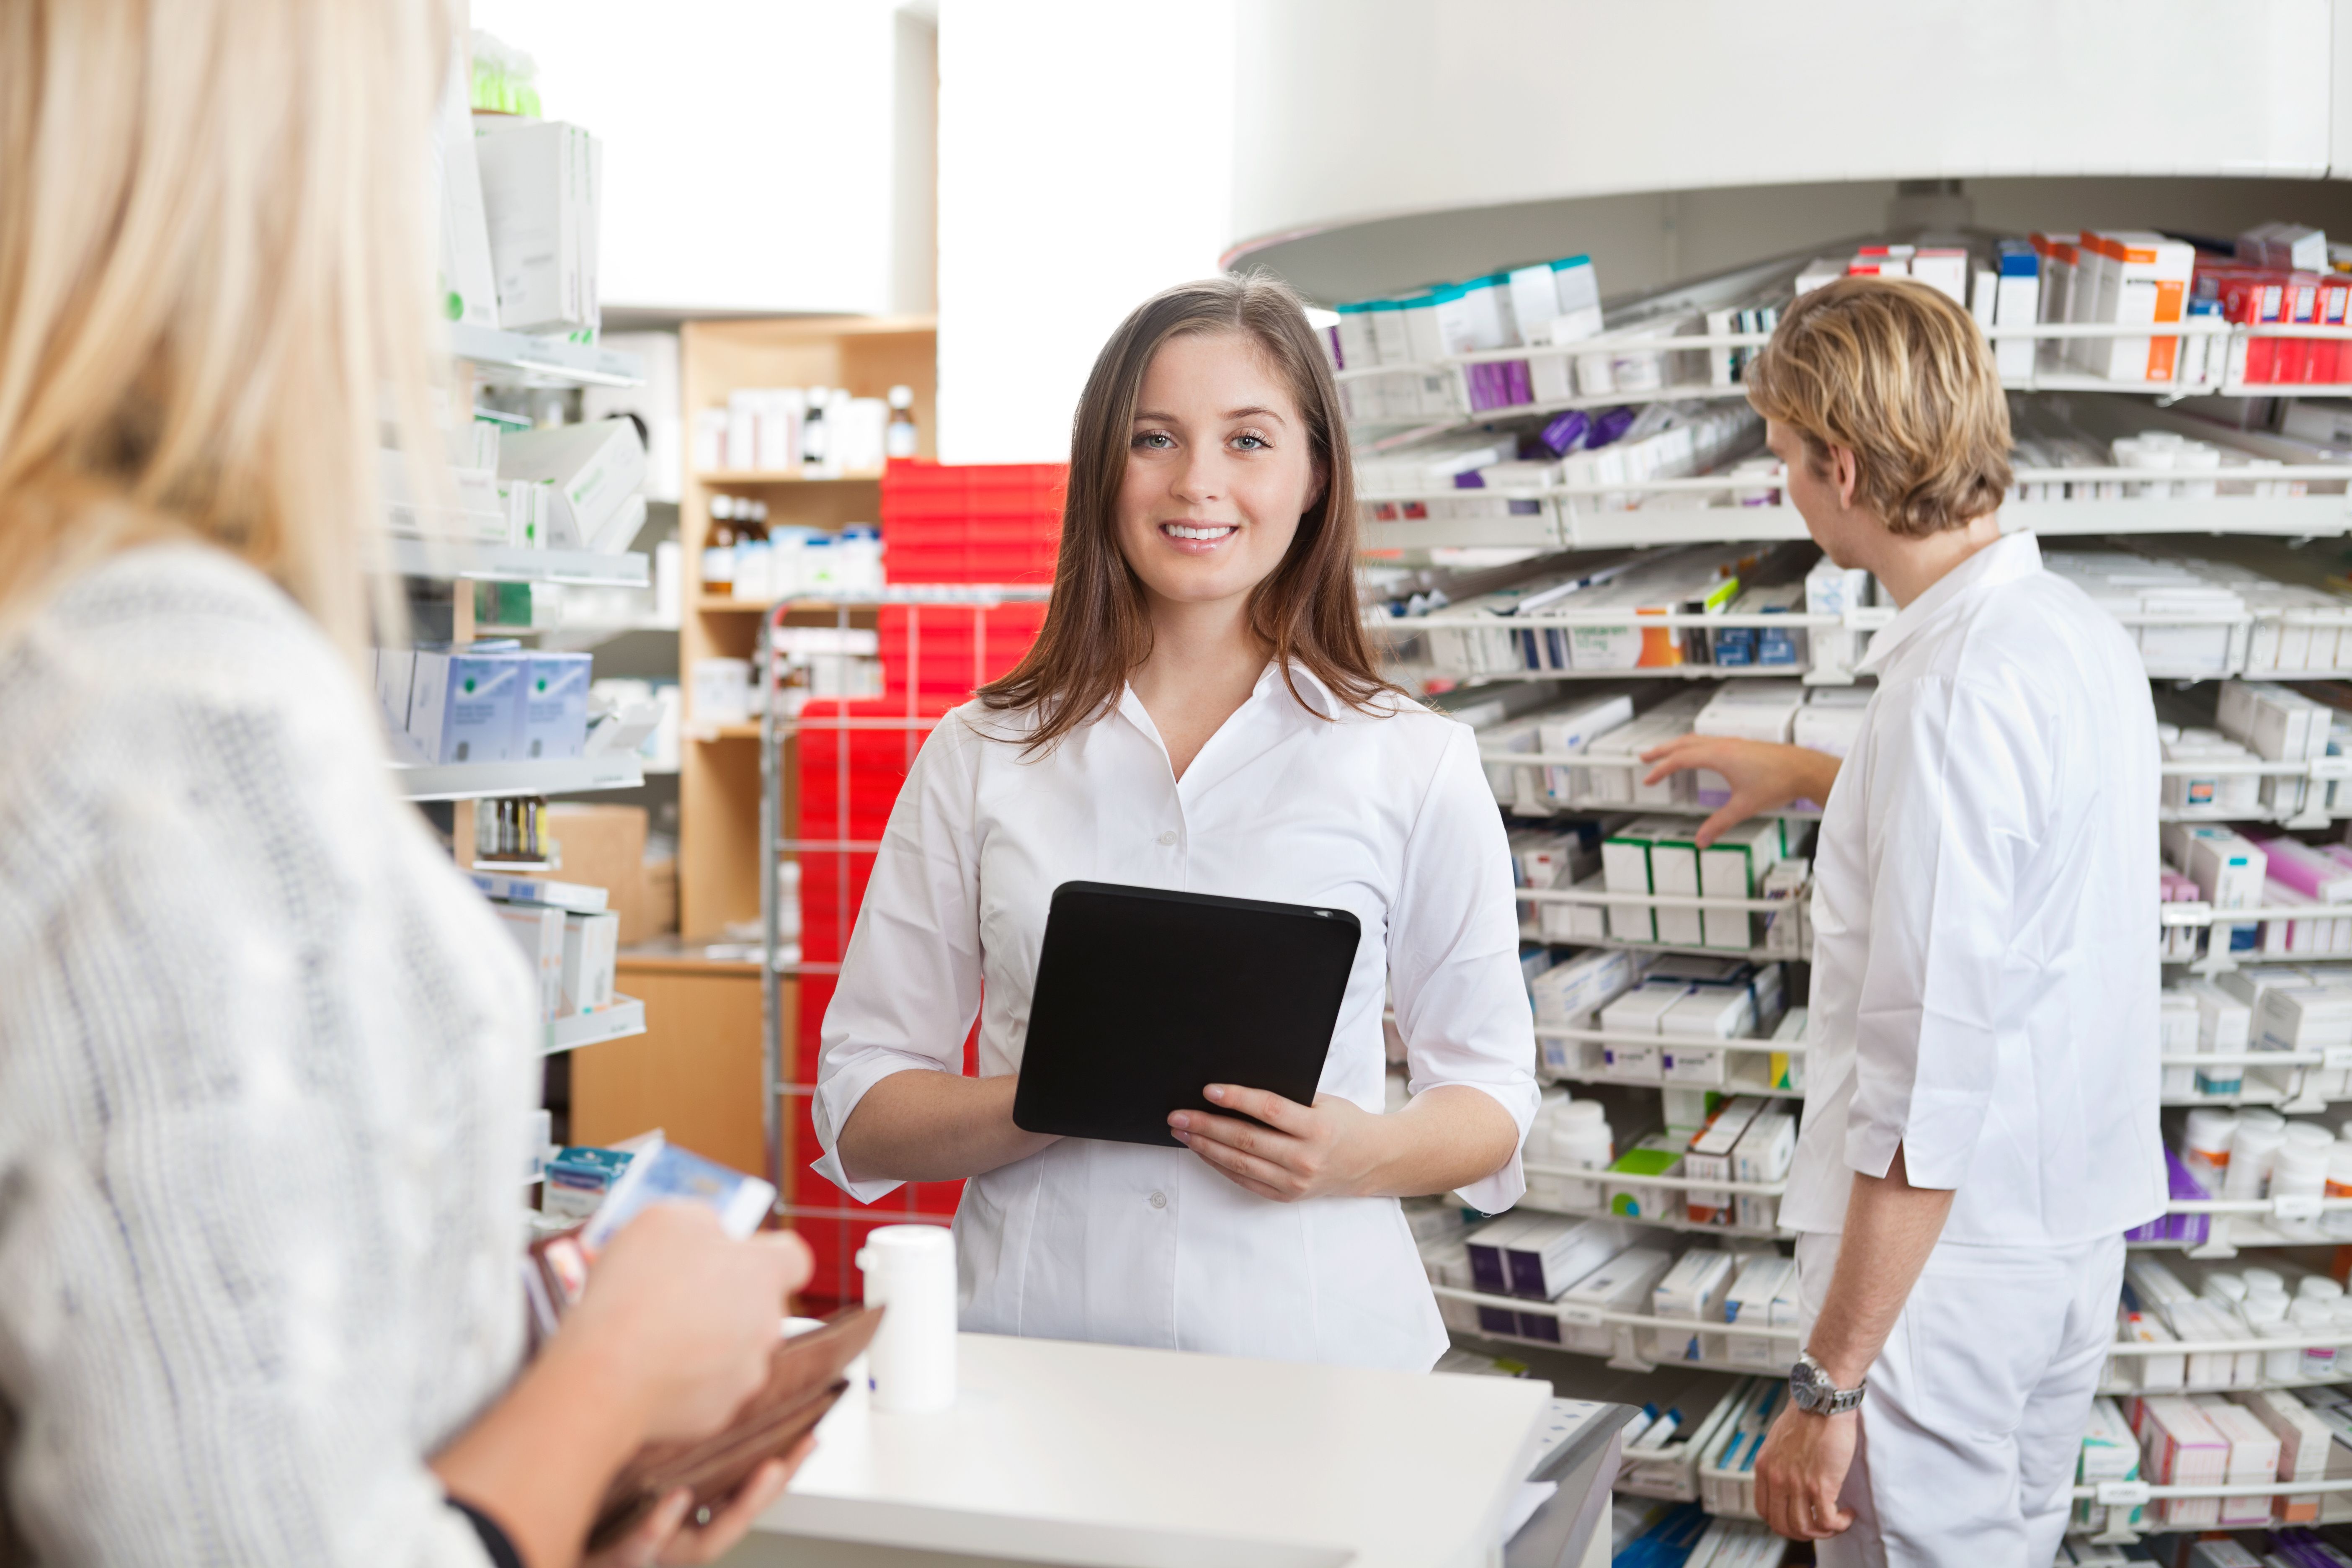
935,517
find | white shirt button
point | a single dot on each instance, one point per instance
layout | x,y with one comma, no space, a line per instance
1169,837
1159,1200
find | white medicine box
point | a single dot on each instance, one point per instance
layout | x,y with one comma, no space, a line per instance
465,705
591,948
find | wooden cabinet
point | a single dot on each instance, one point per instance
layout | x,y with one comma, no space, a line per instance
694,1073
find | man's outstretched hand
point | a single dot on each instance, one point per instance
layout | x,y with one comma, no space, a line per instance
1764,775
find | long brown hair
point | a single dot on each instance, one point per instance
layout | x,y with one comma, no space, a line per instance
1098,626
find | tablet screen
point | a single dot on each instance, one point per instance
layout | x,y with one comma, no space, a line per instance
1145,996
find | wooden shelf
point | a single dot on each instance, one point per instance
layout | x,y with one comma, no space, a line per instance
785,477
719,776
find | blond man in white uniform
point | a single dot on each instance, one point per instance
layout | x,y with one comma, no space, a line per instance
1980,1110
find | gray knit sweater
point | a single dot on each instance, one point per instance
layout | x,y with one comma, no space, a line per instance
264,1070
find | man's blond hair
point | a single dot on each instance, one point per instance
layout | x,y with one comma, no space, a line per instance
1897,372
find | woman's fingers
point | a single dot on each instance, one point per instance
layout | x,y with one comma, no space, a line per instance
1263,1177
1288,1115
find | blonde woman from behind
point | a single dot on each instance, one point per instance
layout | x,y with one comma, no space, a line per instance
265,1062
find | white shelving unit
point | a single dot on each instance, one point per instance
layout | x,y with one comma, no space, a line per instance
510,564
2294,501
519,359
510,357
625,1016
491,781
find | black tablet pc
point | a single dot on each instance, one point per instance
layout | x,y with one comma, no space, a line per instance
1145,997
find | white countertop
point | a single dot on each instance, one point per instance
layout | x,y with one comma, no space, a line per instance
1058,1452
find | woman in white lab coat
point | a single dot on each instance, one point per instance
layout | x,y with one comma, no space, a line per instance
1201,711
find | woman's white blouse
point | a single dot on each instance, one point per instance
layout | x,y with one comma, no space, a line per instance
1387,814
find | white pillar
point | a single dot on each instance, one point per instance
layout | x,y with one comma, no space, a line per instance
1086,162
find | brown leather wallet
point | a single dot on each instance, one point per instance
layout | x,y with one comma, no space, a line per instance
804,1378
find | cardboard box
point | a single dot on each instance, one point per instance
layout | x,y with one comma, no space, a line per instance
605,846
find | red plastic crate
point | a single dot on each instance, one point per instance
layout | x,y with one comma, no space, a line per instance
941,638
935,517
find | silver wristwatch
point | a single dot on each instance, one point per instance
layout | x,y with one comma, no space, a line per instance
1809,1388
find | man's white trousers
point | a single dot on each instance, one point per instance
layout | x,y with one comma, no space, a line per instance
1974,1417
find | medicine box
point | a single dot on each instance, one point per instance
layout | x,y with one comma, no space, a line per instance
1733,866
1638,1011
1785,1068
540,182
1490,1271
395,668
595,469
2183,1450
1568,733
2252,1461
1657,1154
1710,1159
1691,1293
1707,1013
1763,1280
576,1181
537,930
1674,873
1762,1155
1621,1285
554,706
591,944
1554,1253
465,705
1625,868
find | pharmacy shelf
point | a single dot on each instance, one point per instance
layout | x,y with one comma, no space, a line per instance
519,359
1677,1183
2271,1385
1735,1083
1408,673
510,564
1656,1221
625,1016
1464,417
1747,1044
1561,526
1592,806
785,477
1752,955
486,781
1595,1317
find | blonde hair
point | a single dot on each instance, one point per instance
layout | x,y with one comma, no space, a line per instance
1897,372
216,281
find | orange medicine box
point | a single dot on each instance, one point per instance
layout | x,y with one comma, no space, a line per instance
2141,277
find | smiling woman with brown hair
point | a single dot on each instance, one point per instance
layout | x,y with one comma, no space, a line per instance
1202,713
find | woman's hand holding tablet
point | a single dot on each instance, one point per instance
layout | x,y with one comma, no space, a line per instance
1328,1149
1335,1148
